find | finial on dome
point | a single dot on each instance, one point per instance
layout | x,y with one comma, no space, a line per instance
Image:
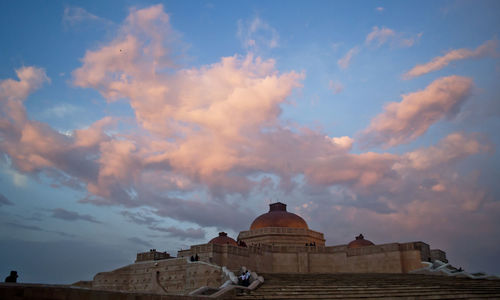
360,237
278,206
222,233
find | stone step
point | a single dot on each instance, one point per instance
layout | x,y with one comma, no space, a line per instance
374,292
431,295
353,290
407,280
364,286
348,291
298,285
295,284
371,290
420,297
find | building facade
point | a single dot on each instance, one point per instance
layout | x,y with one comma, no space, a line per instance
276,242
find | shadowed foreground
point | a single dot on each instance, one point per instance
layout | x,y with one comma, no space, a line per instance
25,291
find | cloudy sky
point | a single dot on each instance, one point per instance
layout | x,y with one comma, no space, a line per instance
128,125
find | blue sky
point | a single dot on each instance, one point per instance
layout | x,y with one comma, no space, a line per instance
129,125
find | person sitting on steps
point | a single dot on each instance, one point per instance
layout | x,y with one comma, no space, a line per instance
246,280
12,277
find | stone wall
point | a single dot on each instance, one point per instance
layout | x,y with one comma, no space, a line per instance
437,254
152,255
177,276
180,275
387,258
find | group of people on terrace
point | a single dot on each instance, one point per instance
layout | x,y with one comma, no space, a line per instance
195,258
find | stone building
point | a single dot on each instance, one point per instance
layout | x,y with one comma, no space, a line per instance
277,242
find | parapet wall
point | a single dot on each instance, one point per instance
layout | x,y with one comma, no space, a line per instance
176,275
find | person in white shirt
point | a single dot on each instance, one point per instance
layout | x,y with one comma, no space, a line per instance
246,281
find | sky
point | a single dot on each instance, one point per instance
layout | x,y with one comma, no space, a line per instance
132,125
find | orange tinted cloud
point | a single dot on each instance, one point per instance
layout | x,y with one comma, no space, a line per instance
345,61
439,62
453,147
215,130
402,122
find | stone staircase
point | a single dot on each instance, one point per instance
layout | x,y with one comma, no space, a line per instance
372,286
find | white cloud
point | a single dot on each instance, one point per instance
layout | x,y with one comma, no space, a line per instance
335,46
335,86
61,110
74,15
257,34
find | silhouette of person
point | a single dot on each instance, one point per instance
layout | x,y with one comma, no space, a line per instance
12,277
197,258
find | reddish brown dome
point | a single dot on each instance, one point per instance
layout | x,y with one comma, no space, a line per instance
359,242
278,217
223,239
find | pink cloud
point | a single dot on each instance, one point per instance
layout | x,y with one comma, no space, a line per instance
335,86
382,35
35,147
14,92
453,147
345,61
488,48
138,53
206,134
402,122
93,135
418,192
359,169
379,35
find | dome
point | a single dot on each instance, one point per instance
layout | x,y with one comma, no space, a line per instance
359,242
278,217
223,239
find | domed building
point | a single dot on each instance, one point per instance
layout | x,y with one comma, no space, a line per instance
278,217
278,227
360,242
277,241
223,239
